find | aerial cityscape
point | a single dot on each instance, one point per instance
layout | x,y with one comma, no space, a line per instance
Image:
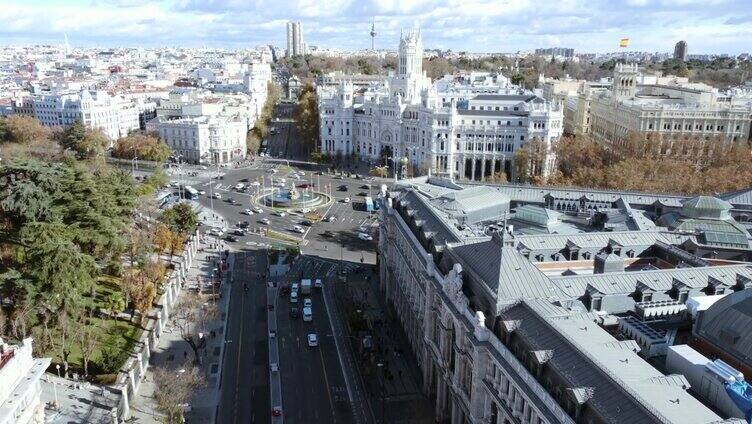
429,211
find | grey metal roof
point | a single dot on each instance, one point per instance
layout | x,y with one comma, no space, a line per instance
706,207
505,271
742,198
660,280
726,324
475,204
499,113
438,227
625,387
589,241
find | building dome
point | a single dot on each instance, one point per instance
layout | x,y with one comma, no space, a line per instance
706,207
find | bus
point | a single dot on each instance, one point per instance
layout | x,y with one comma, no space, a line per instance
369,205
190,193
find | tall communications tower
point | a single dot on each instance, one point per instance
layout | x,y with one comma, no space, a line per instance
373,34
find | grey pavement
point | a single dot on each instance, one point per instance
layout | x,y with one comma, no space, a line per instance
173,351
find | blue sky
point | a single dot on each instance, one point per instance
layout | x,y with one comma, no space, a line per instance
709,26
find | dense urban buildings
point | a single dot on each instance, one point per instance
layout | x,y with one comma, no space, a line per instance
20,375
465,126
519,310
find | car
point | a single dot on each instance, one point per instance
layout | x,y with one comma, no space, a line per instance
306,223
298,229
331,218
364,236
281,214
203,168
244,224
239,186
238,232
294,313
363,194
201,192
307,302
255,184
294,296
272,171
174,184
307,313
265,221
365,186
305,185
243,180
257,210
313,340
231,238
318,284
247,212
231,201
217,196
301,173
216,231
346,200
327,234
342,188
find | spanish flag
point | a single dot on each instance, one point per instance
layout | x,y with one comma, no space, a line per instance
624,42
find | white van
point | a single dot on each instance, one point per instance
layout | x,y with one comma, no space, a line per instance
307,314
294,296
295,287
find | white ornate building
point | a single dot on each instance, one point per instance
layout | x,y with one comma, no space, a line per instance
518,327
114,115
666,109
203,139
466,126
19,384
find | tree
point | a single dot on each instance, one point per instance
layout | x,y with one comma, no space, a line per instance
174,389
180,218
191,317
307,117
25,130
252,143
88,338
73,135
162,238
143,145
114,303
92,145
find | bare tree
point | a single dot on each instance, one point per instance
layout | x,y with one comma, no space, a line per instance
88,338
174,389
191,317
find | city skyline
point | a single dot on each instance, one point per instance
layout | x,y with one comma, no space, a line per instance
588,27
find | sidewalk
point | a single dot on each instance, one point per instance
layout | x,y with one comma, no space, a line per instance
173,351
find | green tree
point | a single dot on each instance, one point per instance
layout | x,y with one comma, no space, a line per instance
73,135
180,218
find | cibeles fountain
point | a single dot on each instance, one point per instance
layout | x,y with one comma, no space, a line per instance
292,198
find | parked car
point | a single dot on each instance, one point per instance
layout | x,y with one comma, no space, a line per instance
306,223
294,313
217,196
298,229
331,218
307,302
364,236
